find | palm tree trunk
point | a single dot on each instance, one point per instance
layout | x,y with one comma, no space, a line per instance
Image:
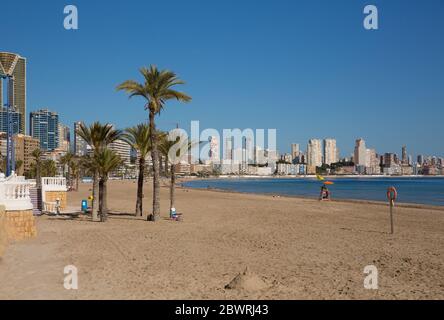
95,195
166,165
173,187
102,199
139,202
161,169
156,178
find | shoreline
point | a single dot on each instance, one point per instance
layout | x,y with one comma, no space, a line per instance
274,195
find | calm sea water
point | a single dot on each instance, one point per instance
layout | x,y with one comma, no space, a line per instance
411,190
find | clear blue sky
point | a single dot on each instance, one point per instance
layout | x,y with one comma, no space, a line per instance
307,68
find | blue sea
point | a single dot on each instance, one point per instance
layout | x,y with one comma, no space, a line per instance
418,190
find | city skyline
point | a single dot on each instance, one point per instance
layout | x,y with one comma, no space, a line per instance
373,96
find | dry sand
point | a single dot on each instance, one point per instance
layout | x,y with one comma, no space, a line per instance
293,249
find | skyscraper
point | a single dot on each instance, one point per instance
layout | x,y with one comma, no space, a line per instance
16,121
330,151
404,159
360,153
13,65
79,145
64,137
295,150
314,153
44,125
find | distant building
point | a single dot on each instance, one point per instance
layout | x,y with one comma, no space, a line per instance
360,153
389,160
123,149
295,150
214,149
16,121
44,125
80,147
330,151
14,65
314,153
24,147
64,137
404,159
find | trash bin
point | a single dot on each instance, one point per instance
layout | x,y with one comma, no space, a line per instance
85,206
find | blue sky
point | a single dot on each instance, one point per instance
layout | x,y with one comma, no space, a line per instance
307,68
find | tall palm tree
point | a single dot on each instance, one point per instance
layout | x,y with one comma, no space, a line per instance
138,137
106,161
156,90
98,136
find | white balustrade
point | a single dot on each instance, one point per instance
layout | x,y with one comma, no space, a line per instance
53,184
14,193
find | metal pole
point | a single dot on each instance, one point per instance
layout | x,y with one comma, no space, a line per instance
392,204
10,163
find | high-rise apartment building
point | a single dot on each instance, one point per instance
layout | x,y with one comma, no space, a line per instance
44,125
13,65
404,158
23,148
16,121
214,149
295,151
79,145
360,154
123,149
330,151
64,137
314,153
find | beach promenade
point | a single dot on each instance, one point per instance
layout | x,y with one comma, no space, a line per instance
295,248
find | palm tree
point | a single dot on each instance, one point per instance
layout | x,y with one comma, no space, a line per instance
49,168
66,161
106,161
138,137
37,155
98,136
75,171
18,165
165,147
156,90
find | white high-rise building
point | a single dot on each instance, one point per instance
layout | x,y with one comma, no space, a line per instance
295,150
228,149
330,151
123,149
314,153
360,156
80,147
214,149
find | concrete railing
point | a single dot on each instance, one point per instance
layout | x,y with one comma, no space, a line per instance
53,184
14,193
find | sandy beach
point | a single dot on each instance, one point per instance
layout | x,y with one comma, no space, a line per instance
295,248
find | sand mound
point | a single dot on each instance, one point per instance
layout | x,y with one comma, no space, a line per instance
247,281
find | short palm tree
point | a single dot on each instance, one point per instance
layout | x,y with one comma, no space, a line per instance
98,136
156,89
66,162
18,165
106,161
138,137
165,147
